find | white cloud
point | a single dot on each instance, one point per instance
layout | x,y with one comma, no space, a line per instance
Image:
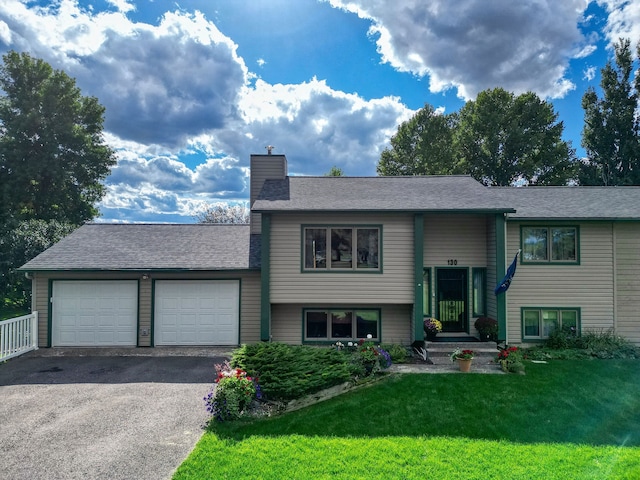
160,84
318,126
179,87
589,73
122,5
473,45
623,20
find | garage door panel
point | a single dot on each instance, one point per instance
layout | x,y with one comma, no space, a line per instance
95,313
208,312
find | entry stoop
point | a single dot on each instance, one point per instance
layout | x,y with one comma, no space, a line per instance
484,352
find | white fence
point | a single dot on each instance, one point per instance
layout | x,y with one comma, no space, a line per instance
18,336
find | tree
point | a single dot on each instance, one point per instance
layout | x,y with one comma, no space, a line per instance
423,145
499,139
503,139
334,172
52,162
611,130
52,154
18,246
223,213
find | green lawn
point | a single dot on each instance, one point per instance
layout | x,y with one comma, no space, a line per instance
565,419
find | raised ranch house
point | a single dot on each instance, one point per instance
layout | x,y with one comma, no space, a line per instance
340,258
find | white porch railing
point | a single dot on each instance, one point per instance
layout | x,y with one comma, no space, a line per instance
18,336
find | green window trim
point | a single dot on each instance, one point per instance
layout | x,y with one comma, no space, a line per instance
550,244
341,248
479,291
330,325
538,322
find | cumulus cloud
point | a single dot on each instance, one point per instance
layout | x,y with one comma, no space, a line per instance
179,88
473,45
317,126
160,84
623,20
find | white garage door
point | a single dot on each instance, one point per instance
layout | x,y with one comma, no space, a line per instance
196,312
94,313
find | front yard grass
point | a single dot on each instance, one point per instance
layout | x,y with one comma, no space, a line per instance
564,419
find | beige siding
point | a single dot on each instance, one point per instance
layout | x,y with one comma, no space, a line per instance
249,298
286,322
455,237
290,285
627,236
588,285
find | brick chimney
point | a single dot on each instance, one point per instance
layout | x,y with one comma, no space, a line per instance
264,167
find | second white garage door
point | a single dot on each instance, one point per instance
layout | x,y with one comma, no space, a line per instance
197,312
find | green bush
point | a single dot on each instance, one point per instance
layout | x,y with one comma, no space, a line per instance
487,329
399,353
564,344
286,372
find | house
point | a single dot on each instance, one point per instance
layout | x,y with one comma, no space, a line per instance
341,258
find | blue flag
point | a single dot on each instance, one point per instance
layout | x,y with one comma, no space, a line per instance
504,285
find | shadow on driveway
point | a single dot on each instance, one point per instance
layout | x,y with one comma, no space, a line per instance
101,417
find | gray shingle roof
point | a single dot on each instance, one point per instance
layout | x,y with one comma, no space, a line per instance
588,203
152,247
419,193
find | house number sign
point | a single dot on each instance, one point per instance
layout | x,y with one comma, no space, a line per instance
452,261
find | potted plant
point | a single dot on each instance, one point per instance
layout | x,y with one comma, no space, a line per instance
463,357
487,329
432,327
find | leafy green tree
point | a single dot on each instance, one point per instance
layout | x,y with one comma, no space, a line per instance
423,145
18,246
334,172
53,160
223,213
503,139
52,154
611,130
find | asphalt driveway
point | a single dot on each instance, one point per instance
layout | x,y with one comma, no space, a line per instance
111,417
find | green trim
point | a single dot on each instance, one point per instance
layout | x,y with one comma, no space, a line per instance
138,317
549,262
295,210
50,319
330,341
474,312
239,311
152,323
418,272
354,268
578,311
501,270
265,278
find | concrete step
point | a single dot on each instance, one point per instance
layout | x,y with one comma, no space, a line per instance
445,348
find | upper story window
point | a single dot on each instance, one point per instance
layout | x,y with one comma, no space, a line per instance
543,244
341,248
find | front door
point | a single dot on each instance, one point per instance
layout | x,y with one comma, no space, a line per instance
451,292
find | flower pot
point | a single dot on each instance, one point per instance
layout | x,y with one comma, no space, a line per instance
431,336
464,364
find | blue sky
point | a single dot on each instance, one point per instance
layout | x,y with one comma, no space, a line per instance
192,88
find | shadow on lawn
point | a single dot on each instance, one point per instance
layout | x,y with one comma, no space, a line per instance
594,402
